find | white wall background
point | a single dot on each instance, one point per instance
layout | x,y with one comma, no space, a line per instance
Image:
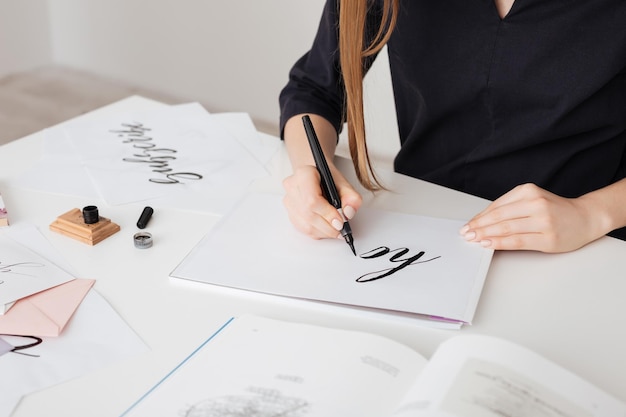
229,55
24,35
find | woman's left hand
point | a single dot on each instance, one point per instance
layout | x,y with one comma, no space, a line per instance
531,218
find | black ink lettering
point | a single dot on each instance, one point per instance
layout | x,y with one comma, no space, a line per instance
171,178
37,341
375,253
396,257
11,267
144,145
149,154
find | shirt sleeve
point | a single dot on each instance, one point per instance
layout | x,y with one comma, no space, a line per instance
315,84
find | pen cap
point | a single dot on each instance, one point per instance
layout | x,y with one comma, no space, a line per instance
145,217
91,215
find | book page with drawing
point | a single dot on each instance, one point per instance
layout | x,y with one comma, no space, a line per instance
483,376
262,367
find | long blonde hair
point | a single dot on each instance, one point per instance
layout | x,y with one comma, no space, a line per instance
352,52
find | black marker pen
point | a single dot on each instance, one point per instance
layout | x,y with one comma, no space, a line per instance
328,184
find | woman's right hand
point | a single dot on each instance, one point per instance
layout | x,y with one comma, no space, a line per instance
307,208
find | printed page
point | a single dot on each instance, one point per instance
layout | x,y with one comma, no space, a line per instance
262,367
482,376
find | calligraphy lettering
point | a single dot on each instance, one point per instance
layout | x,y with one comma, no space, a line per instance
157,158
11,268
396,257
16,349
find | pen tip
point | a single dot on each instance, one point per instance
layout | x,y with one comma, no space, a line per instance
349,241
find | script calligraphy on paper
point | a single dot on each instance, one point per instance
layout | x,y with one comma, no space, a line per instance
17,267
397,256
148,153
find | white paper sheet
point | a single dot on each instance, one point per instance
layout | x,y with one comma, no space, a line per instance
24,272
5,346
87,159
59,170
240,126
28,235
95,337
483,376
194,152
429,269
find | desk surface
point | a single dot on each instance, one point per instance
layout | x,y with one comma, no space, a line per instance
567,307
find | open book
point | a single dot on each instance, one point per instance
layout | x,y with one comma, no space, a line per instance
255,366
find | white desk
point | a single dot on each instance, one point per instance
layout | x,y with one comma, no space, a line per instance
569,308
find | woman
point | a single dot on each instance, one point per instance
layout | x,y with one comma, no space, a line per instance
523,102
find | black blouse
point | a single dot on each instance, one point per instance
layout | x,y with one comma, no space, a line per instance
483,103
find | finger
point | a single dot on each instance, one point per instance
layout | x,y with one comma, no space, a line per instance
525,241
505,213
351,200
307,209
310,219
505,228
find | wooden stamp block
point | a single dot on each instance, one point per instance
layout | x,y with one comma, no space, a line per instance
73,225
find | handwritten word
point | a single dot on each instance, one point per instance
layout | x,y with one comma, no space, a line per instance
148,153
16,349
396,257
11,268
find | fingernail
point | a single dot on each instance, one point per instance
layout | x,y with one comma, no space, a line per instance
337,224
470,235
485,243
464,229
349,212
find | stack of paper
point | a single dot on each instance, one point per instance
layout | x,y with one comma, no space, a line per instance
96,337
405,264
176,156
41,334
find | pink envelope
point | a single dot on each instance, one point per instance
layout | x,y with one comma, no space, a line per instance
46,313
